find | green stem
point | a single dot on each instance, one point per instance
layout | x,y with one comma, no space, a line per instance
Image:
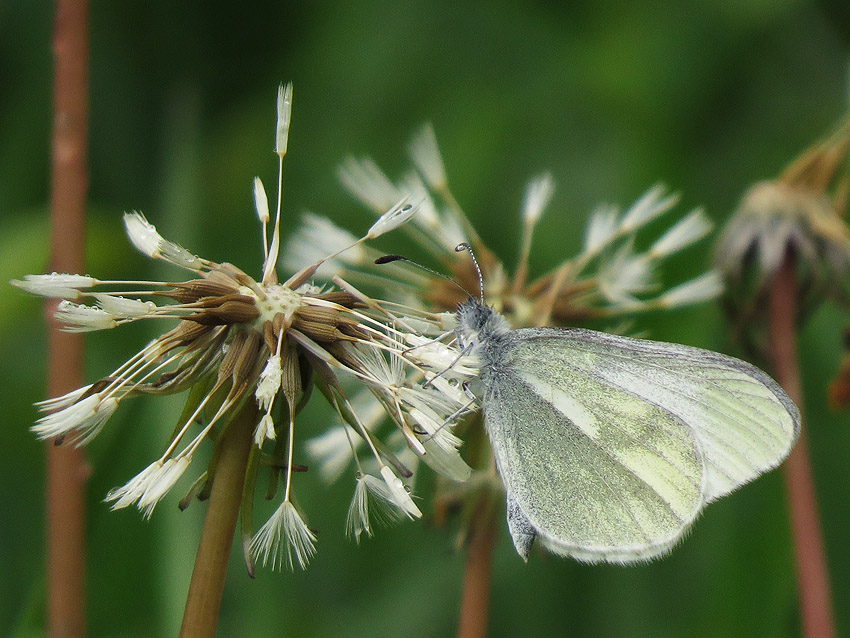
205,591
812,577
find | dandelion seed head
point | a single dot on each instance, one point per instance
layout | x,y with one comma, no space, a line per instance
235,342
801,213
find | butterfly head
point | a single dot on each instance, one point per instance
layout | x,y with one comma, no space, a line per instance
477,323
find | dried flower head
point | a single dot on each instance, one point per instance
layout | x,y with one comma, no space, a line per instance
252,348
799,216
609,277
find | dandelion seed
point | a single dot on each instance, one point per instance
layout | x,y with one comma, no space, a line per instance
316,238
149,242
66,400
160,482
369,184
441,446
537,197
129,493
55,285
284,538
79,422
80,318
399,494
400,213
261,201
601,229
142,234
607,280
123,308
372,504
625,275
426,156
265,430
284,115
332,450
688,230
647,208
706,287
269,382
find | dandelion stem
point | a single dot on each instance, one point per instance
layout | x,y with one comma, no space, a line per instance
813,586
204,600
475,601
66,466
289,452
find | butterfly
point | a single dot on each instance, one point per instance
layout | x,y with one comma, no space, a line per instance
609,447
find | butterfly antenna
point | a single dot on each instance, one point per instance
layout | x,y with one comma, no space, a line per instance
466,247
387,259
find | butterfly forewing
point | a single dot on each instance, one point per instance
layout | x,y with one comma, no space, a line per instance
744,422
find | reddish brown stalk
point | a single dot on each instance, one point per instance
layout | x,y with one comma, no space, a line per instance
66,466
475,602
204,600
812,577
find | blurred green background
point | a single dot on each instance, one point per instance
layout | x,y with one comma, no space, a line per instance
611,97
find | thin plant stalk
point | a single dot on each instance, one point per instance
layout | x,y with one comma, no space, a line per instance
67,469
207,586
475,600
812,578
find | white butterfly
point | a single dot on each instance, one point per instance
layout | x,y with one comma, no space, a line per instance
609,447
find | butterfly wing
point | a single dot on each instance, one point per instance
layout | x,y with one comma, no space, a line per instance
745,423
609,446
